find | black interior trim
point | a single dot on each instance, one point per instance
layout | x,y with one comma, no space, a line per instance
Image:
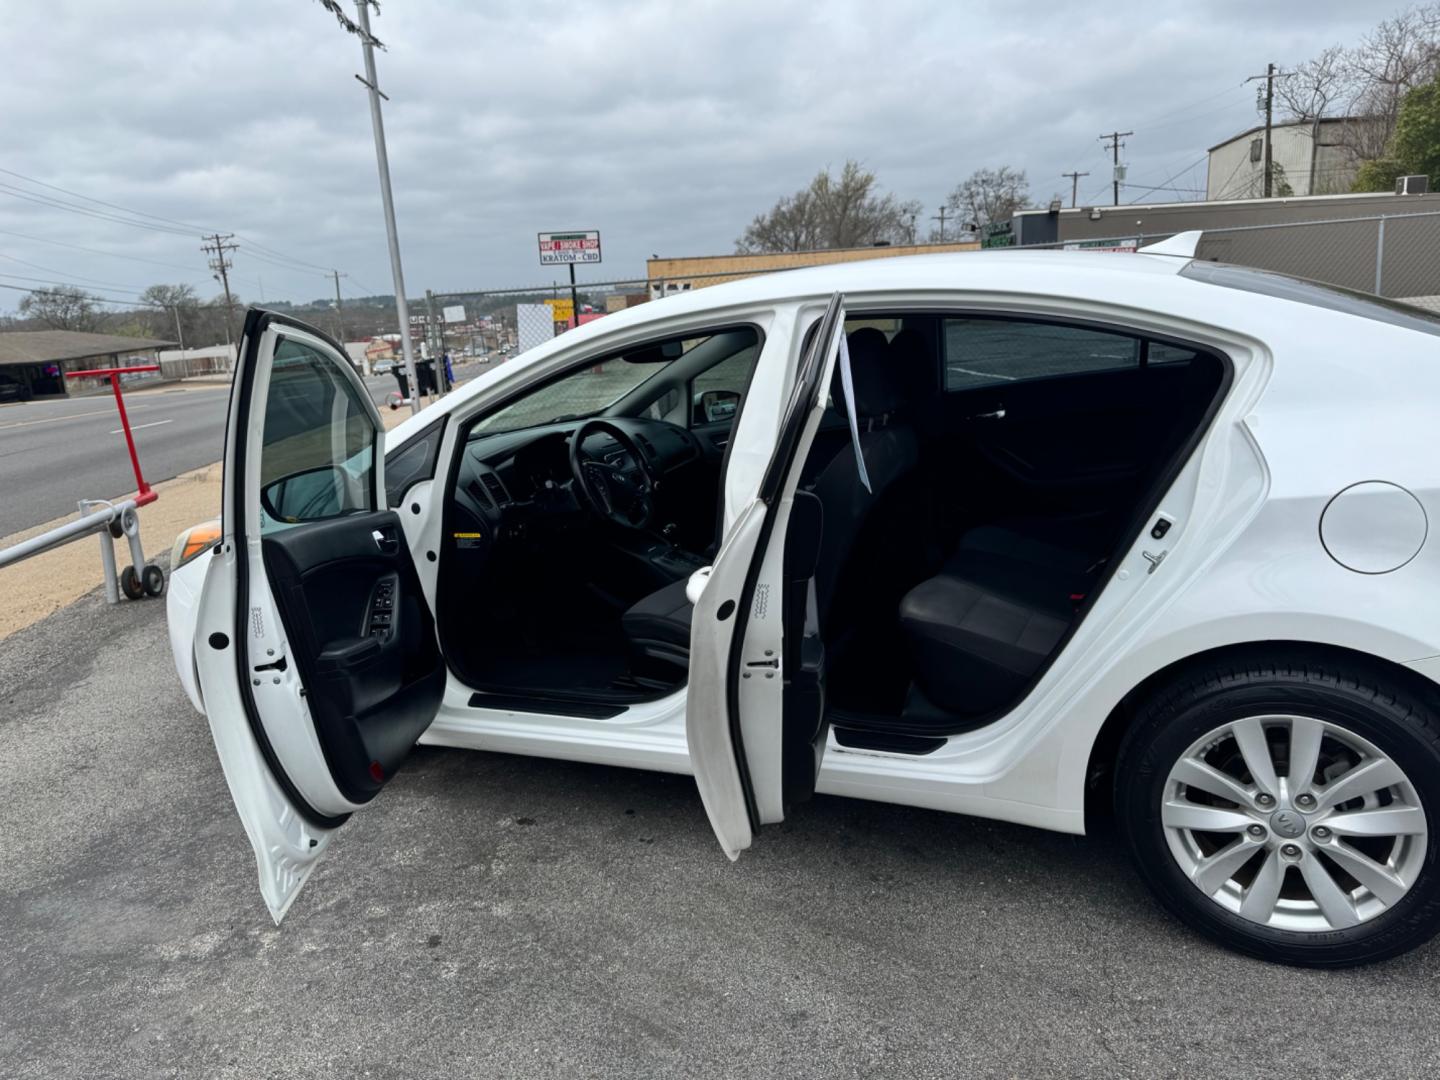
538,703
396,497
887,741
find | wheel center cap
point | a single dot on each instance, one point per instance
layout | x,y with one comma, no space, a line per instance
1287,823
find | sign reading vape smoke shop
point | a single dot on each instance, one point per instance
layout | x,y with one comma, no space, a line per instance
559,248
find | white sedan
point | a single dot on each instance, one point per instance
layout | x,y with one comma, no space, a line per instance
1040,537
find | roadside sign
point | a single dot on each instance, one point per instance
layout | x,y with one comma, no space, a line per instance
454,314
998,234
562,310
559,248
1130,245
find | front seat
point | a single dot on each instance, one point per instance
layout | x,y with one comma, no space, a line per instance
659,625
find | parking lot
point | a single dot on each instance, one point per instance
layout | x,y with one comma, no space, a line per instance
500,916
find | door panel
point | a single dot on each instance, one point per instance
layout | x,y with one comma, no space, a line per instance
754,716
363,640
315,649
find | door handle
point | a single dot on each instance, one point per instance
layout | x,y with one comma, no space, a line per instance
994,414
386,541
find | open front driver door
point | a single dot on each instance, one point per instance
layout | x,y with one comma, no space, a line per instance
315,649
754,715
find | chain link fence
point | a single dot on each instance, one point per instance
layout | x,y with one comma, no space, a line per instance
1392,255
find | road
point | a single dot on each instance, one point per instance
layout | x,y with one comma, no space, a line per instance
513,917
53,453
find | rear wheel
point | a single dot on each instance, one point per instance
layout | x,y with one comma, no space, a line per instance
1284,808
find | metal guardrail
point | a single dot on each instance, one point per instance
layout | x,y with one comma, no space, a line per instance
110,520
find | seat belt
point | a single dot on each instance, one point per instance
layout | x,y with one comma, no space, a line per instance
847,386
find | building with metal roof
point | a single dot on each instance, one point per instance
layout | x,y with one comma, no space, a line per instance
33,363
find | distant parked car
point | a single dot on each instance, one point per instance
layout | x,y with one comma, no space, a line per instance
1033,536
383,367
13,389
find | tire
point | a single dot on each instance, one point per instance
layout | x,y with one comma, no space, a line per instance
152,579
130,584
1340,714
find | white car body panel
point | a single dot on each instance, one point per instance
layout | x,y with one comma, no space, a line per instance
1319,400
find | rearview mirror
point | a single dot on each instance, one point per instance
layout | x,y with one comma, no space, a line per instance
716,406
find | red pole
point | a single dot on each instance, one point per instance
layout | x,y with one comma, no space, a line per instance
144,494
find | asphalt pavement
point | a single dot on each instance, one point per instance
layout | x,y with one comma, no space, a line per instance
506,916
56,452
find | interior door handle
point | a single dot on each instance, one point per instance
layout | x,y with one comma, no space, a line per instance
386,541
994,414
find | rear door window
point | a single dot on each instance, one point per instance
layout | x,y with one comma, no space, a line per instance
989,352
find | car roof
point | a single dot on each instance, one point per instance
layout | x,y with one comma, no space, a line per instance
949,270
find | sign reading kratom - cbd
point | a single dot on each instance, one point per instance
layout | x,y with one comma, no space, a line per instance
559,248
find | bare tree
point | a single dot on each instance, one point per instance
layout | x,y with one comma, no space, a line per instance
168,305
847,211
1318,87
1398,55
988,195
62,308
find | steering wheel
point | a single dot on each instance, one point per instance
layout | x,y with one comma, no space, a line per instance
619,490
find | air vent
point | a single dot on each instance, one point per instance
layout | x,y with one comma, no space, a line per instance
496,489
645,445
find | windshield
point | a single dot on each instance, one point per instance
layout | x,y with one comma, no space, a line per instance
595,388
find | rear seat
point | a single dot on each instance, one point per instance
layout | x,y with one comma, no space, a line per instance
981,628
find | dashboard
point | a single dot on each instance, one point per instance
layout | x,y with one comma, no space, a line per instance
517,486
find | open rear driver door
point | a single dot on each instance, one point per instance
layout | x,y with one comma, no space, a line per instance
754,715
315,649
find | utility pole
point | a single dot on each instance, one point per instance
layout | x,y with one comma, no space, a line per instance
1270,76
1074,185
1115,144
217,246
382,163
941,218
574,297
339,320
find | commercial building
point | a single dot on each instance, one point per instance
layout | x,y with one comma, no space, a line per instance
33,363
666,276
1309,157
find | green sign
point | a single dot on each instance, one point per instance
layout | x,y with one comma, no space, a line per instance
998,234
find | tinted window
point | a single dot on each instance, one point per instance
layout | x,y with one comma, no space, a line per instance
989,352
317,455
1329,297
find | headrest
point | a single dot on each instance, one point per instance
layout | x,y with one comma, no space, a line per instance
877,393
910,364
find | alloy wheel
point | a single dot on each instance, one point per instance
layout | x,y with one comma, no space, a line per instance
1294,823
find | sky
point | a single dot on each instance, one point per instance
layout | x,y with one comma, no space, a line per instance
665,125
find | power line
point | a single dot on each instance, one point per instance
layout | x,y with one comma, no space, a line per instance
171,226
1074,178
63,273
97,251
90,296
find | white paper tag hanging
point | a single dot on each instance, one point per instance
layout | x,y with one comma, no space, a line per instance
847,386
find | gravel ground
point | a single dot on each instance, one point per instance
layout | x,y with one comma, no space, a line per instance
500,916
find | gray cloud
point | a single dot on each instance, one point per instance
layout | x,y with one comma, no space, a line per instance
665,125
